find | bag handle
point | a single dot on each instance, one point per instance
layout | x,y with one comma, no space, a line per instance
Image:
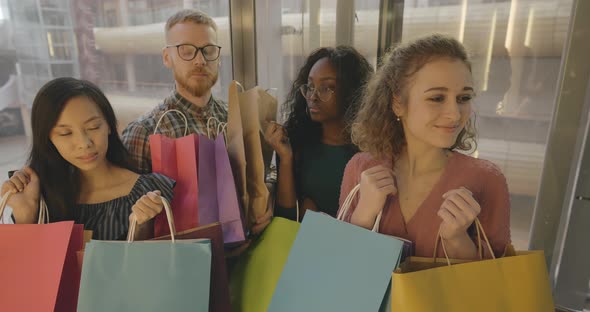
239,85
169,216
297,211
168,111
43,210
209,126
480,232
3,202
348,202
222,128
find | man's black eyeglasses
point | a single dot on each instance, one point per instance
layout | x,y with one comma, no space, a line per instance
188,52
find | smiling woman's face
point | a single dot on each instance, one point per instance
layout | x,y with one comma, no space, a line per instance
437,103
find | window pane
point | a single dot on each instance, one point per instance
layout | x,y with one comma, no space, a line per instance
56,18
61,70
304,26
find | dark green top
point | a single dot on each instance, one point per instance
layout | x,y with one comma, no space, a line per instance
321,168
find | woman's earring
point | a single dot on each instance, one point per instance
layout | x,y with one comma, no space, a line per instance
397,118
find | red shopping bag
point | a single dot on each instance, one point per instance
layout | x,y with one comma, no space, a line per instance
38,262
178,159
67,298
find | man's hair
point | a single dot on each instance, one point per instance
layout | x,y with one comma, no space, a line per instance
188,15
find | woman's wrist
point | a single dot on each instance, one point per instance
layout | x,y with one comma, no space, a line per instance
286,160
461,246
25,215
24,218
363,217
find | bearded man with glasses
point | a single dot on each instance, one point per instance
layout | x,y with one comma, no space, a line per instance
192,53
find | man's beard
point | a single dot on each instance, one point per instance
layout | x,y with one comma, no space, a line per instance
201,87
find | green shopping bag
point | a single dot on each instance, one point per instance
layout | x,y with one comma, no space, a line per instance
257,271
147,275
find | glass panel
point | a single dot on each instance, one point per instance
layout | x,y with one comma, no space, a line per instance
516,51
54,4
305,26
62,70
24,11
60,37
56,18
366,29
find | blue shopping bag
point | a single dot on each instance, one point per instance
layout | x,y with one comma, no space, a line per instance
147,275
336,266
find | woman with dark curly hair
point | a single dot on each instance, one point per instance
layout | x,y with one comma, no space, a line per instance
415,116
314,145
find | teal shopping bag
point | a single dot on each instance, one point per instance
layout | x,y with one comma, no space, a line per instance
336,266
146,276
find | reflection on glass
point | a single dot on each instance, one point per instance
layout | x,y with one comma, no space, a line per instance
308,25
56,18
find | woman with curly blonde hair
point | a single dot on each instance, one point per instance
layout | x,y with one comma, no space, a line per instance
415,117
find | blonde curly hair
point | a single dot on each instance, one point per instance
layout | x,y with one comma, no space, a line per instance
375,128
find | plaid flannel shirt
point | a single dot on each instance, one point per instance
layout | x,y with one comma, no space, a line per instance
136,135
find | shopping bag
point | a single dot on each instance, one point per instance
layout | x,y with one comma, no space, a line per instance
218,199
38,260
207,177
146,275
235,145
335,266
267,114
255,275
516,282
67,298
258,193
219,299
80,253
177,158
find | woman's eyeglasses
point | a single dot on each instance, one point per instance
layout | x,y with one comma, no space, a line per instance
323,93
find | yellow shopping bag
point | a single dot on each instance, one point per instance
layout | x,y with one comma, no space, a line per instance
516,282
